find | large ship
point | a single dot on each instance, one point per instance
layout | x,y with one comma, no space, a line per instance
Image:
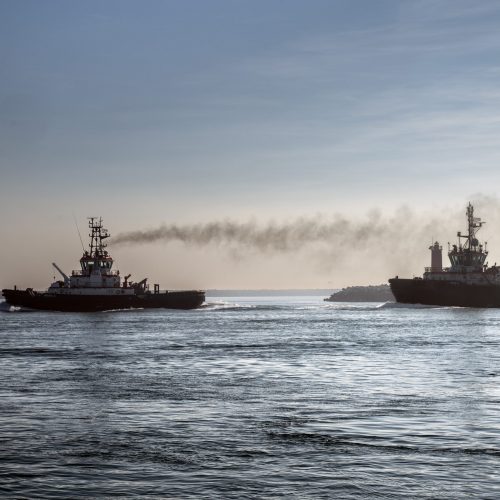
468,282
96,286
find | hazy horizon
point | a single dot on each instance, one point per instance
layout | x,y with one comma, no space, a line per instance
272,145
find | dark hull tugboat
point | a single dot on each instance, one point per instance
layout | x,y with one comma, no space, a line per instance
96,287
469,282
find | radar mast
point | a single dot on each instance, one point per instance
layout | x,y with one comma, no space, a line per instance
97,234
474,224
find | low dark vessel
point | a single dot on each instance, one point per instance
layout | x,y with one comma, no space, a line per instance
469,282
97,287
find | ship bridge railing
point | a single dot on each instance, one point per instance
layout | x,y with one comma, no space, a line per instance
79,272
457,269
437,269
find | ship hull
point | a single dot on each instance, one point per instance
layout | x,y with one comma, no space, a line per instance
444,293
46,301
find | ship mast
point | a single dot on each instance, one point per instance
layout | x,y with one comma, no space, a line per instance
97,235
474,224
470,256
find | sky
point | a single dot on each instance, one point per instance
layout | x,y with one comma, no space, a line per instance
151,113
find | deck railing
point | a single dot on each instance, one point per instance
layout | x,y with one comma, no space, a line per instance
79,272
436,269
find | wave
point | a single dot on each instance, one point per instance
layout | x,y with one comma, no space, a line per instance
399,305
374,306
233,306
359,442
356,306
340,306
43,352
7,308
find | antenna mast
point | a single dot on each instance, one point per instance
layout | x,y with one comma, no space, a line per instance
79,235
97,235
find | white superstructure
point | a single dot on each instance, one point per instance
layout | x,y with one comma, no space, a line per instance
96,276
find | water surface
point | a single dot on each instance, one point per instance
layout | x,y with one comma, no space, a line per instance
279,397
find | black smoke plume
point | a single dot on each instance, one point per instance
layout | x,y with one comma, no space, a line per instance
282,237
365,249
403,234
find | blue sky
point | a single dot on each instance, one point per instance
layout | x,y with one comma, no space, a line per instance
158,111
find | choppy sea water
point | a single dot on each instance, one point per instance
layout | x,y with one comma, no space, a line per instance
282,397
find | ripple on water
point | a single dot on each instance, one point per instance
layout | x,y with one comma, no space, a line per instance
290,397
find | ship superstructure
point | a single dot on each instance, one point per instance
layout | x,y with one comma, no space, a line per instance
467,257
95,274
97,286
469,281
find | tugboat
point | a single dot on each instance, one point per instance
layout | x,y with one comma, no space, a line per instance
97,287
469,282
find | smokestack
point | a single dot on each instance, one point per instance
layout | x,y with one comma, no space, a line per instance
436,257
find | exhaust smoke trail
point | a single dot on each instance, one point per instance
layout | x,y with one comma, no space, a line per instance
279,237
270,237
403,236
345,249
